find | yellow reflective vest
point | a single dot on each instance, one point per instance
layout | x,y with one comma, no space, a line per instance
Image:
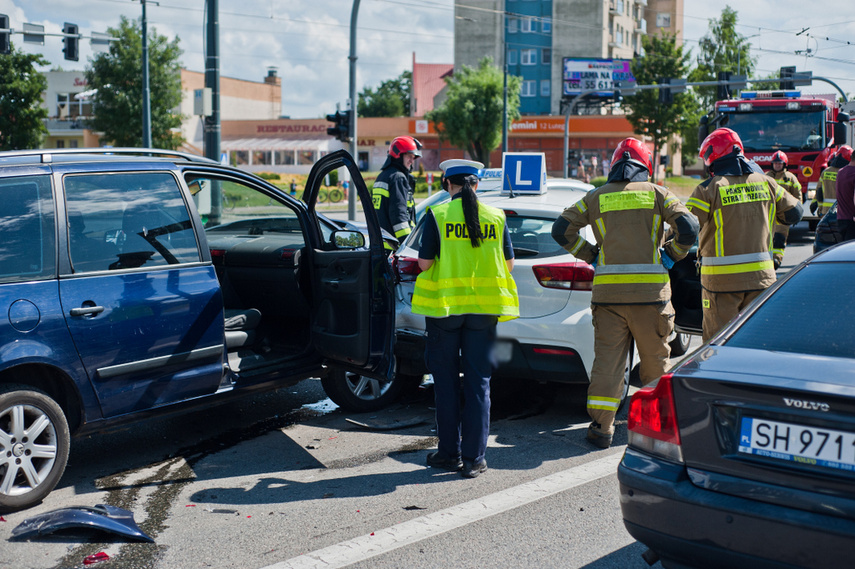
465,279
828,179
628,222
737,216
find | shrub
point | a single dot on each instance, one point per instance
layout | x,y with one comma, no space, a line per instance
268,175
598,181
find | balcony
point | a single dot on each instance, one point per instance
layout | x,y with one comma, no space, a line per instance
641,26
641,2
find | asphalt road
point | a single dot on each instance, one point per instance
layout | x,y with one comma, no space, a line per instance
283,480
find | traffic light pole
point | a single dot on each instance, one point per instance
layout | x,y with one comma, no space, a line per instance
351,194
146,94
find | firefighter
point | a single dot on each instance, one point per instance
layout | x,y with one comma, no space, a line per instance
789,182
631,295
737,207
393,190
466,287
826,192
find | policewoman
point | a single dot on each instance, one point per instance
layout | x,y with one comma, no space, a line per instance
464,289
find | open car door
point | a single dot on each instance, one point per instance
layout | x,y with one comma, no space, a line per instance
351,281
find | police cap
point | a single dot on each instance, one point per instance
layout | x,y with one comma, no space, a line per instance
459,166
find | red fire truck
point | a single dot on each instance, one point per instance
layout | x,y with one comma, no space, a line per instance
808,128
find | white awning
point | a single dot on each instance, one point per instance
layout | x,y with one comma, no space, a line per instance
276,144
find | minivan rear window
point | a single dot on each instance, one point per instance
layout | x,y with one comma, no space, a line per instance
27,232
811,313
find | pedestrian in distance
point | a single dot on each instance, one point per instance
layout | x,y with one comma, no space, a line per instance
789,182
293,188
631,296
394,189
465,289
737,207
845,188
826,193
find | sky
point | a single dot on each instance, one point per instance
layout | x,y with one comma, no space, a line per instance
309,41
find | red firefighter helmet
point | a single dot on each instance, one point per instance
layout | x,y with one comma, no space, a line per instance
845,152
637,152
403,144
780,156
718,143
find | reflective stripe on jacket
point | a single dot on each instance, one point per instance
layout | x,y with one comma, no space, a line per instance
628,223
788,181
737,216
392,195
465,279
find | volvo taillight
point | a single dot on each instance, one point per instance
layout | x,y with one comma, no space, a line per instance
568,276
653,421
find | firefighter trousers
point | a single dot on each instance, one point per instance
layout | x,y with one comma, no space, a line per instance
615,326
721,307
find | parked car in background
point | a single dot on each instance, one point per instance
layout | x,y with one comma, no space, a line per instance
827,232
128,290
744,456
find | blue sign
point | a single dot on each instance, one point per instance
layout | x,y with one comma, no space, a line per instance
524,172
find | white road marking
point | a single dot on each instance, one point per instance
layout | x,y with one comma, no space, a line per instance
415,530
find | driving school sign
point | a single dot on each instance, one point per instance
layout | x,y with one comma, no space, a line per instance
601,75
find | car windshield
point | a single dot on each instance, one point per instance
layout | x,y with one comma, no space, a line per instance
825,320
778,130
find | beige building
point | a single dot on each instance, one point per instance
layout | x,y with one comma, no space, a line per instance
665,16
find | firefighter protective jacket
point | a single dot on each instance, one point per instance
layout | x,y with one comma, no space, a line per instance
827,191
788,181
393,199
627,219
737,216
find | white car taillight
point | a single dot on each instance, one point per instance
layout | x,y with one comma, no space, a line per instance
652,422
568,276
407,268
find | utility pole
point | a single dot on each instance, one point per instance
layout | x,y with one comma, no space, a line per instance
146,110
212,81
351,194
505,80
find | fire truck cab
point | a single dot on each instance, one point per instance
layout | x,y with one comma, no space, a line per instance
808,128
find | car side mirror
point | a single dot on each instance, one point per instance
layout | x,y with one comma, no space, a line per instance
347,239
840,128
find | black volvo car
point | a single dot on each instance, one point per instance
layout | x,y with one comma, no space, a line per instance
744,455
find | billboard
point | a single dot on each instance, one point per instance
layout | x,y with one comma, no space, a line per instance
600,75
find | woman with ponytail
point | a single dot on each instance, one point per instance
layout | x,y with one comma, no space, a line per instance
464,290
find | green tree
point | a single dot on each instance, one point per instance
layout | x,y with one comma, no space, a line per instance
662,58
471,116
721,49
21,113
117,75
391,99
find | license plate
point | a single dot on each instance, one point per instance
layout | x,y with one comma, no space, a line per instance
503,351
800,444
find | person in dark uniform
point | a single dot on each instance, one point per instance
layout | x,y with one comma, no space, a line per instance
393,190
465,288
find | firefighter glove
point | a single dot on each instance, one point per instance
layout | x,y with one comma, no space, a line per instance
666,259
813,207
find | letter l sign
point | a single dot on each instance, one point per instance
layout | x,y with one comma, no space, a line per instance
519,180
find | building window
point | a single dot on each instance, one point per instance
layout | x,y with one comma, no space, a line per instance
261,157
513,25
67,107
239,157
527,25
546,56
72,143
60,144
546,24
528,56
512,57
544,87
529,89
284,157
663,20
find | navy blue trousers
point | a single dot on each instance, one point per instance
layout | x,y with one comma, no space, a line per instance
454,344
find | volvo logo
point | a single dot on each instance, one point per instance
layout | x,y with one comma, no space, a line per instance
810,405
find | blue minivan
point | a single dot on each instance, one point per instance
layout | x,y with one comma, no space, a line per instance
135,282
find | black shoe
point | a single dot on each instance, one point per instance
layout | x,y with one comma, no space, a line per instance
473,469
598,439
441,460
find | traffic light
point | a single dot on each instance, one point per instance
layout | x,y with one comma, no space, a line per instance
342,125
5,36
665,95
71,41
723,91
786,75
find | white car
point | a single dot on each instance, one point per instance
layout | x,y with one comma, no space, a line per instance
552,340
